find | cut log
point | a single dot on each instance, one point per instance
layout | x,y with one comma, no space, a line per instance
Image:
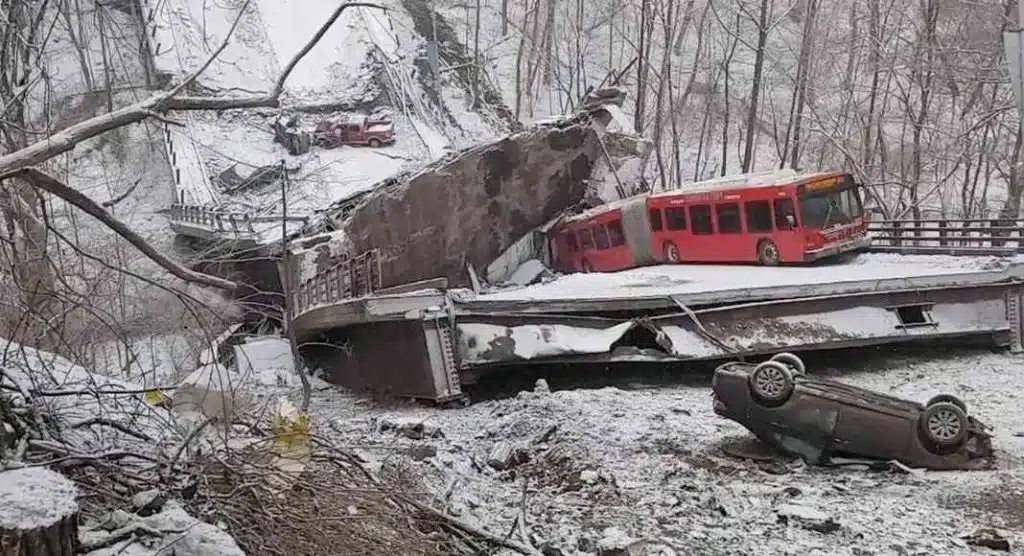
38,513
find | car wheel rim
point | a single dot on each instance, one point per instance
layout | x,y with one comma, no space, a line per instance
770,382
944,424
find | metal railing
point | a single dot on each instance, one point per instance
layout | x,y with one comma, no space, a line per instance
948,237
355,277
222,220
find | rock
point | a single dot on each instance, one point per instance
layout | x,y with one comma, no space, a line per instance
415,429
420,452
148,502
545,435
616,542
806,517
505,455
589,476
989,538
541,387
548,549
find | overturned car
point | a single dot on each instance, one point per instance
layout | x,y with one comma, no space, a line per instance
820,419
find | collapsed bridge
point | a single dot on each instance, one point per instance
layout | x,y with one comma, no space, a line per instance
429,341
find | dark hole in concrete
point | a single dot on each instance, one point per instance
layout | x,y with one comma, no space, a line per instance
640,337
912,314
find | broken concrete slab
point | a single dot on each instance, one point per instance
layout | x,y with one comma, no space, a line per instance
469,207
505,455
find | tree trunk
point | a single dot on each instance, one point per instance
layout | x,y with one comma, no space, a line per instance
726,116
806,59
755,87
49,498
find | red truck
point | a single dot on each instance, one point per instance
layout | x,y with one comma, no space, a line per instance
354,130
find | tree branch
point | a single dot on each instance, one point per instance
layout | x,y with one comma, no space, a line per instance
48,183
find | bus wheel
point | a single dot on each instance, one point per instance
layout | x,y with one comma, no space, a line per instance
671,252
767,253
587,267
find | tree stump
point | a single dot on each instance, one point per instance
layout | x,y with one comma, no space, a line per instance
38,513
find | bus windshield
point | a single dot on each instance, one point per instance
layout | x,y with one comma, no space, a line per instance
830,207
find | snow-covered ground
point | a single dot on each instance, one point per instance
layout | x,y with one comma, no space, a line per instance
645,456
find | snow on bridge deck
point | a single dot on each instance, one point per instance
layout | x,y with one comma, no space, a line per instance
667,285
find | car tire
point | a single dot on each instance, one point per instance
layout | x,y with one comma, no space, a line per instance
771,383
374,142
944,426
795,364
947,398
768,253
671,252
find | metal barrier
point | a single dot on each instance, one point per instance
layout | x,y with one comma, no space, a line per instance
224,221
948,237
352,278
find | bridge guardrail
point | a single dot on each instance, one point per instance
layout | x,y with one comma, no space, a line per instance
222,220
352,278
991,236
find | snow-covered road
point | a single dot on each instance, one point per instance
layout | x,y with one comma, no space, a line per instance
646,458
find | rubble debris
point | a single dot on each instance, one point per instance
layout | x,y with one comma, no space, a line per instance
241,177
295,140
615,542
530,272
541,387
505,455
414,429
988,537
420,452
807,517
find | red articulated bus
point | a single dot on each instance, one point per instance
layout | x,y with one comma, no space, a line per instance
768,218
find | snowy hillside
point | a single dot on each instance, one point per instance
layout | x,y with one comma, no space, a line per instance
366,61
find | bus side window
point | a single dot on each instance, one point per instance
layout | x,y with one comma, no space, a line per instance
655,216
615,233
700,220
728,215
570,241
785,214
601,237
759,217
675,218
586,239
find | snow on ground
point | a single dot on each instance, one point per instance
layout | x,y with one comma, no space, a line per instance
317,178
645,456
687,279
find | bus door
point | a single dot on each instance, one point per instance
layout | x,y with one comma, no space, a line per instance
788,236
